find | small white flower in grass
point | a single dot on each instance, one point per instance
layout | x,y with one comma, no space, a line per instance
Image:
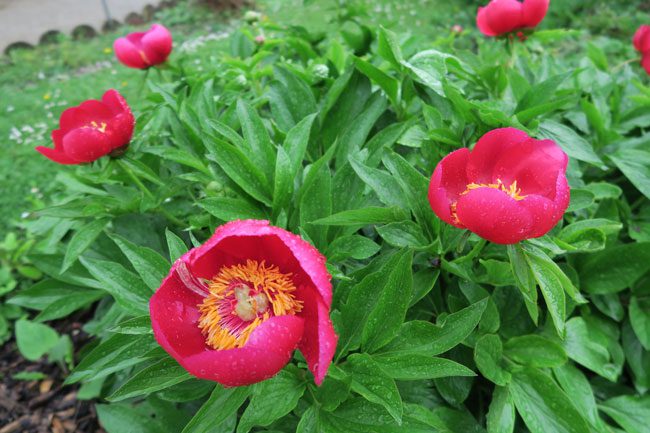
25,215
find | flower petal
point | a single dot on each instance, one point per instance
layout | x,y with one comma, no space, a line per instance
448,181
318,343
534,164
56,155
257,240
157,44
503,16
86,144
534,12
494,215
174,317
267,351
482,24
645,62
128,53
543,213
641,39
488,149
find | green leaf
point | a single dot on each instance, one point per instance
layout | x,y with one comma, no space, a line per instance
175,245
119,418
501,414
429,339
136,326
371,382
296,142
387,83
586,347
127,288
316,202
65,305
383,184
222,404
365,216
354,246
290,99
631,412
635,165
535,351
543,406
580,199
257,138
615,268
420,367
575,384
150,265
551,285
283,183
229,209
34,339
488,354
117,352
240,169
82,239
404,234
574,145
271,400
388,47
640,319
393,300
155,377
540,93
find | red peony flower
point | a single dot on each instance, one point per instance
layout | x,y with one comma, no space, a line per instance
234,309
504,16
142,50
642,44
510,187
91,130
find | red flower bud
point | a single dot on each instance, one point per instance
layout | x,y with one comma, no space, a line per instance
91,130
510,187
234,309
504,16
142,50
642,44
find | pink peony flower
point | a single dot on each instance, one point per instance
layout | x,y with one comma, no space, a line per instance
504,16
142,50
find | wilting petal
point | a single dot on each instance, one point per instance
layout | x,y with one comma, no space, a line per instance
494,215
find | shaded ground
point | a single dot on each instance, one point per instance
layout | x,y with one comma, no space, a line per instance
42,405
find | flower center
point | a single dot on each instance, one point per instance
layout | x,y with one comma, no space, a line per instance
511,190
99,127
241,298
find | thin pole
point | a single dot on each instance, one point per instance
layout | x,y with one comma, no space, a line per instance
106,10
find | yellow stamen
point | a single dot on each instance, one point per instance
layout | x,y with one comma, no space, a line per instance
99,127
241,298
511,190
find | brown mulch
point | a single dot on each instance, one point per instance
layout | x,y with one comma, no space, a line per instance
42,406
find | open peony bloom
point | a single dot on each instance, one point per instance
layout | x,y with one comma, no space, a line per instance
91,130
511,187
642,44
142,50
504,16
234,309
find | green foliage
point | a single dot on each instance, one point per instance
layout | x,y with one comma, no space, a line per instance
331,129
